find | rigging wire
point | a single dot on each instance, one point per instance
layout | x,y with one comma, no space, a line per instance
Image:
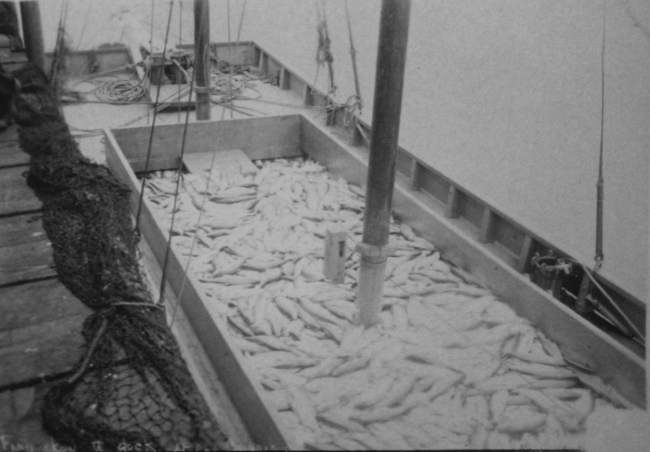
329,58
354,103
180,42
146,167
232,65
600,184
59,44
83,28
178,181
230,55
151,49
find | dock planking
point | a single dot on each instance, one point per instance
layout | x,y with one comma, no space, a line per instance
20,419
15,195
36,303
26,262
17,199
40,351
10,152
14,176
19,229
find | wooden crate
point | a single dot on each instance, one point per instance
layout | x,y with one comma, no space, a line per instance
294,135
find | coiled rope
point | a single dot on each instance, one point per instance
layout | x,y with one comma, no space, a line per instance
120,91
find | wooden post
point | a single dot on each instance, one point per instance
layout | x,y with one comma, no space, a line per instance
33,33
202,58
389,83
334,257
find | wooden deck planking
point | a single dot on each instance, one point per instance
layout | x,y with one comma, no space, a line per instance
20,229
13,177
15,195
40,351
228,163
25,262
13,156
33,304
20,419
40,320
10,152
17,199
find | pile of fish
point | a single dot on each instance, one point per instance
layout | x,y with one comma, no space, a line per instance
449,366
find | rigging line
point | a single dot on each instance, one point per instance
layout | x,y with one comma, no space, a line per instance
620,312
600,184
153,124
353,55
201,211
57,44
180,41
178,182
328,55
318,49
230,56
83,28
232,66
148,73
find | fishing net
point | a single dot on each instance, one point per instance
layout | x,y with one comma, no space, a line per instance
131,390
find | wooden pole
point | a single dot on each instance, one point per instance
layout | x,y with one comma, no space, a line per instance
33,33
389,83
202,58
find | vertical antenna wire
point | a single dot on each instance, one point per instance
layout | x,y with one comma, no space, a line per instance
241,22
601,182
153,124
83,28
230,56
178,182
150,51
201,210
180,41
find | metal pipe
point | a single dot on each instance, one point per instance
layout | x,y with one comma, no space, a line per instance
202,58
389,83
33,33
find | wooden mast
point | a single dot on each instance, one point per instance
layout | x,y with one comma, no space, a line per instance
202,58
389,83
33,32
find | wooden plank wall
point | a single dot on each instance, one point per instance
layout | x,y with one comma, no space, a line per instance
264,137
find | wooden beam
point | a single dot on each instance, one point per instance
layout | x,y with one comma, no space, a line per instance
486,233
264,63
415,180
526,254
33,32
285,78
308,96
389,84
334,258
451,208
202,58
